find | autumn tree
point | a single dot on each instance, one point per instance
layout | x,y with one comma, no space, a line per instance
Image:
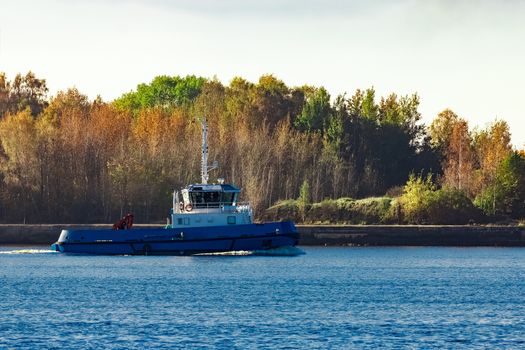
238,100
492,147
451,139
459,158
493,150
441,129
78,160
25,91
272,101
18,166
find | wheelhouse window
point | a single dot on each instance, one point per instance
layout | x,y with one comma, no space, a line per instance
228,198
205,199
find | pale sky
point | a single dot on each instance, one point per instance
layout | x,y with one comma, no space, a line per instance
465,55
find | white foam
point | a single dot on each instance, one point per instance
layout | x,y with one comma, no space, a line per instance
232,253
281,251
28,251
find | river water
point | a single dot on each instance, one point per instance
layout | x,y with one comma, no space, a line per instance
327,298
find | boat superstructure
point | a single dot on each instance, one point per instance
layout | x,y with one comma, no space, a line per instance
209,205
205,204
204,218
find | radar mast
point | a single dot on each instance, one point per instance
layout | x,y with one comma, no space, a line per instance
205,168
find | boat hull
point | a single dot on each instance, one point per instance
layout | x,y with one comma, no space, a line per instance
170,241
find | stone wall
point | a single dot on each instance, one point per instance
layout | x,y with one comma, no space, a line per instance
380,235
412,235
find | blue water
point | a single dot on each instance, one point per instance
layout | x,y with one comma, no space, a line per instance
327,298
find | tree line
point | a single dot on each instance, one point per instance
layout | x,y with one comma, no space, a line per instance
66,158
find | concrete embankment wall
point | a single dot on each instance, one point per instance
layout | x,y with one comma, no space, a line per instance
43,234
413,235
380,235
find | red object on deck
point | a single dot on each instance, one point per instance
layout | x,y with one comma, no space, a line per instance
125,223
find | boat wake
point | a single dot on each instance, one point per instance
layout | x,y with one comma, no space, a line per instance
281,251
28,251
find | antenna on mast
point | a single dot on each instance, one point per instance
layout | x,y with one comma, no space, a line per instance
205,168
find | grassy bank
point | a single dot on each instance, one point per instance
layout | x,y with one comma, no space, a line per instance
377,210
443,208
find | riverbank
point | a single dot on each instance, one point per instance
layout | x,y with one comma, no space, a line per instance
413,235
332,235
44,233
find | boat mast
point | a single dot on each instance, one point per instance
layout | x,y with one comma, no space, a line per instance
205,168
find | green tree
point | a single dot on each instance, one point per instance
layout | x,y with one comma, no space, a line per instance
304,198
403,112
379,144
163,91
505,195
316,112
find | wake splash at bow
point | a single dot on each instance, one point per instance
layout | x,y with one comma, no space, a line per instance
28,251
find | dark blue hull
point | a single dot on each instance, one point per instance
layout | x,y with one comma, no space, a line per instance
178,242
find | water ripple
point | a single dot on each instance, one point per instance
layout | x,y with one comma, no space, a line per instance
327,298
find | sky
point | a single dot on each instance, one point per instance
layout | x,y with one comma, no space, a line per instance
466,55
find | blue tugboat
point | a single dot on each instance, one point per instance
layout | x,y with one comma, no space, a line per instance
205,218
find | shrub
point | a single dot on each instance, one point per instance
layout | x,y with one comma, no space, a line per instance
351,211
326,211
416,199
452,206
373,210
283,210
396,191
422,203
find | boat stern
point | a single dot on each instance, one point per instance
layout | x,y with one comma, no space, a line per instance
289,227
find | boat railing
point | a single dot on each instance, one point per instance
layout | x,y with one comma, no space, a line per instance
214,207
